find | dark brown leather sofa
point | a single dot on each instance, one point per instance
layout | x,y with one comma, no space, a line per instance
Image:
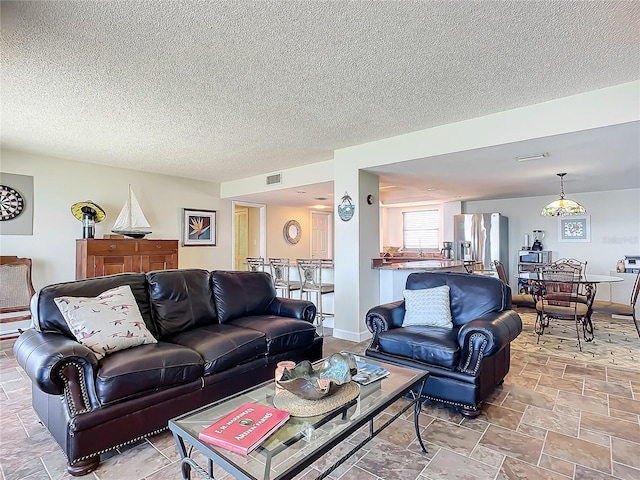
466,362
218,333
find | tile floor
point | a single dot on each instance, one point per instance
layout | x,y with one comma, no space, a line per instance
552,419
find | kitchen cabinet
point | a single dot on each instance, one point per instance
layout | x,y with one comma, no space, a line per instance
100,257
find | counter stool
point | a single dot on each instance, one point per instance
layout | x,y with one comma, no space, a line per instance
280,274
255,264
310,271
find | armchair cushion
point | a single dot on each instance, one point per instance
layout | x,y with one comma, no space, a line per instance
107,323
425,344
428,306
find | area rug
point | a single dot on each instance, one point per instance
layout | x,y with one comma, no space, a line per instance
615,342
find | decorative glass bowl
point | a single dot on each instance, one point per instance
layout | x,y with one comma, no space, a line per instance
305,382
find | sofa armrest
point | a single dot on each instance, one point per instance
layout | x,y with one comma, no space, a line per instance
485,336
45,356
294,308
385,317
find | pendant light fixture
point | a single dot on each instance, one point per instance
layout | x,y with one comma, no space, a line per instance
562,207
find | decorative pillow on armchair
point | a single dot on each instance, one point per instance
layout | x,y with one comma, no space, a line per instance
107,323
429,306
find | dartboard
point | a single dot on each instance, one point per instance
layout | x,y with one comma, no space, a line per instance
11,203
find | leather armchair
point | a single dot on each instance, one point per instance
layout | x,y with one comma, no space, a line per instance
466,362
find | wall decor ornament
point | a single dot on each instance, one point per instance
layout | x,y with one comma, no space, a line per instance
11,203
198,228
292,232
16,204
346,208
574,229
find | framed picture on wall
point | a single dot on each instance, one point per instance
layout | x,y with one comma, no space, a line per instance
574,229
199,227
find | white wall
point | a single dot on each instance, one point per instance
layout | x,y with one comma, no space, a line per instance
60,183
615,227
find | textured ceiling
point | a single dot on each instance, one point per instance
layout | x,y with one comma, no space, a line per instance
225,90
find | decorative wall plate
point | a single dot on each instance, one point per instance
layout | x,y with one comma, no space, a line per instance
346,208
11,203
292,232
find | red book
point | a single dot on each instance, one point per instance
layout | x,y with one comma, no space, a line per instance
245,428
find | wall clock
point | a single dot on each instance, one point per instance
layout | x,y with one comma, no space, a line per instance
11,203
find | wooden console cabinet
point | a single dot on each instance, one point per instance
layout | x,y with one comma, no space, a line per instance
99,257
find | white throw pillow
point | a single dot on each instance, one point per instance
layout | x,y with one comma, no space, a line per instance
107,323
428,306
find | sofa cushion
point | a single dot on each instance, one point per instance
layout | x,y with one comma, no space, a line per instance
48,318
428,306
181,300
242,294
223,346
425,344
282,333
107,323
147,368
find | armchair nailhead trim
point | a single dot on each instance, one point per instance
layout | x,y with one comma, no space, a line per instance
465,369
83,389
120,445
455,404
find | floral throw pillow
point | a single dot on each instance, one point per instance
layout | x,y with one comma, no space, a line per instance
429,306
107,323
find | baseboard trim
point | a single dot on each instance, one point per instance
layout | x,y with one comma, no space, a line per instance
351,336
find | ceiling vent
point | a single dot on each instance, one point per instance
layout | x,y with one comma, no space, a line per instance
274,179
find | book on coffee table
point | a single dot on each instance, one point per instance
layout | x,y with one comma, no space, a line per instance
244,429
368,373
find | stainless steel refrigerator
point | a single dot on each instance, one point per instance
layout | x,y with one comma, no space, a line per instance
481,238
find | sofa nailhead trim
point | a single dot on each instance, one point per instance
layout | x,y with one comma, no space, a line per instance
120,445
83,389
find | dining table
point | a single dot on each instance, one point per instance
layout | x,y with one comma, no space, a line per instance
590,281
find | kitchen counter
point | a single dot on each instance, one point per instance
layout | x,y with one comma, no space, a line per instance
393,275
419,264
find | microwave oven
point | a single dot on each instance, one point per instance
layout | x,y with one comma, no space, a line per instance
534,256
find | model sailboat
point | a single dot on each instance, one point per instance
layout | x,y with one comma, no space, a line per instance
131,222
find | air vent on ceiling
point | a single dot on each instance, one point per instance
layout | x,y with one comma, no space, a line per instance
273,179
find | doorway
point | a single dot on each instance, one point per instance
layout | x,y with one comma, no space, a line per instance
321,234
249,238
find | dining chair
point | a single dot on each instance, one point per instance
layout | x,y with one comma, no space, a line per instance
310,271
556,295
280,272
615,308
580,269
16,292
255,264
517,299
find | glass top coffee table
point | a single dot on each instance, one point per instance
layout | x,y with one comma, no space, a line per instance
302,440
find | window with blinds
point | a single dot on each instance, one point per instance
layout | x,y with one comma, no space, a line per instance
421,229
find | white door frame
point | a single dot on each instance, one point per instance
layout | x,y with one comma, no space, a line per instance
263,227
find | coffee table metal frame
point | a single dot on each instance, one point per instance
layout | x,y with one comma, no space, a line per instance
187,438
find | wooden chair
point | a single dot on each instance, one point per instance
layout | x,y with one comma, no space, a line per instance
15,294
517,299
310,271
556,295
614,308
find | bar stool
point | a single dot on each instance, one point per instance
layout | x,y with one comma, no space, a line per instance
255,264
280,274
310,271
